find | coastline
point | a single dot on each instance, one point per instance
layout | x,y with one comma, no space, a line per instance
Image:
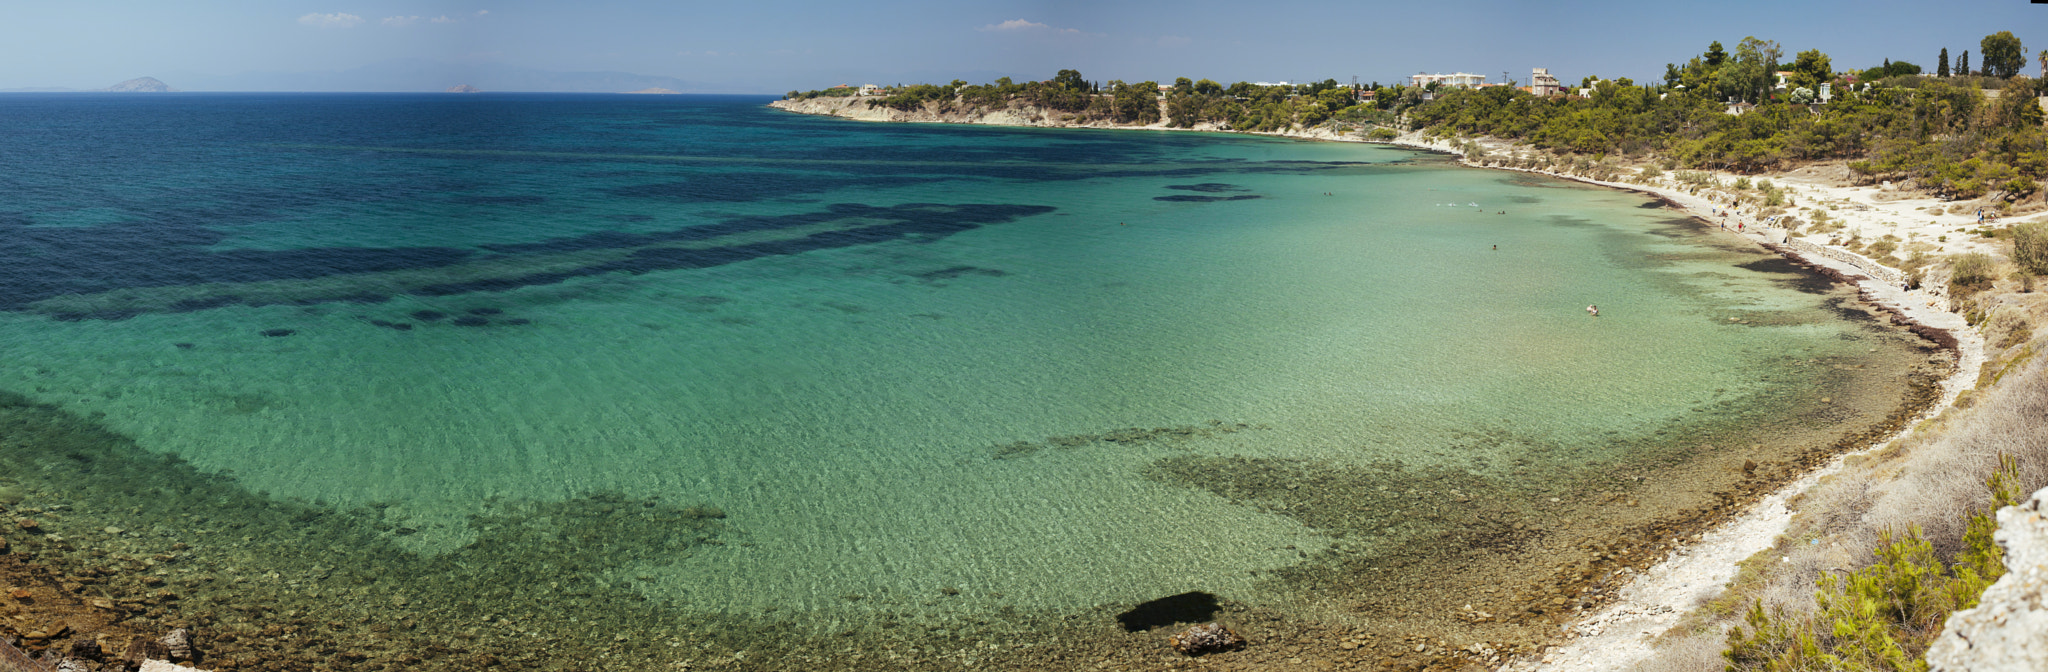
1619,635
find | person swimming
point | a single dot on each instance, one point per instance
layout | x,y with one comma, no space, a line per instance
1593,310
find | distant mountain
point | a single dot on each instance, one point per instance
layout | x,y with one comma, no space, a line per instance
423,76
655,90
140,85
464,88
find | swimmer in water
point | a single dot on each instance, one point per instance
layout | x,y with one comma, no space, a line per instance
1593,310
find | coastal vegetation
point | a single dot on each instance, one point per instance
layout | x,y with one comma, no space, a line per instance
1883,616
1947,137
1965,135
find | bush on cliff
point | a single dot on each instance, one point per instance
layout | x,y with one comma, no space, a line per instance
1881,617
2030,247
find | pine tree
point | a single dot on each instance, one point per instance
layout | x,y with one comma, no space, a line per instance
1941,64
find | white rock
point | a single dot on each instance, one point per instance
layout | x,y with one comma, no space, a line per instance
2008,629
154,665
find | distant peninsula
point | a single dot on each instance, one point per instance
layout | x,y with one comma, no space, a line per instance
656,89
464,88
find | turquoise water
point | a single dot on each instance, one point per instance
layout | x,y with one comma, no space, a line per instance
889,354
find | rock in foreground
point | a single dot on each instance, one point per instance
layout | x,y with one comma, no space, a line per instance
1206,638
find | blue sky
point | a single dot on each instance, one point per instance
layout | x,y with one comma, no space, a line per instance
778,45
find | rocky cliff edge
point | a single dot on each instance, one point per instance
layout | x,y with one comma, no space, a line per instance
2008,629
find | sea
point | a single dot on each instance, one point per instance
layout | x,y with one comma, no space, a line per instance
545,358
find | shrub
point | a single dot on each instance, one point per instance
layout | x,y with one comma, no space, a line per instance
1971,269
2030,247
1382,133
1884,616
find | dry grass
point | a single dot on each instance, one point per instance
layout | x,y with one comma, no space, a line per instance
1932,479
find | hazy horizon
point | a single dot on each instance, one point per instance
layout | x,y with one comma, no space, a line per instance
766,48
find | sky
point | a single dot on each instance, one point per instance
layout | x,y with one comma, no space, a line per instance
771,46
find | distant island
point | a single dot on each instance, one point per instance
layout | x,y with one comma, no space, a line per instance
464,88
656,89
141,85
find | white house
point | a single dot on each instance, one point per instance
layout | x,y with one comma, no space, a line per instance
869,89
1459,79
1542,83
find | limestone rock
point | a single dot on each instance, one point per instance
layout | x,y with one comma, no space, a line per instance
154,665
1206,638
2008,630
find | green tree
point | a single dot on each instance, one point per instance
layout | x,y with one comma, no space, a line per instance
1963,64
1183,85
1070,80
1941,65
1135,103
1755,60
1208,87
1811,68
1715,55
2003,56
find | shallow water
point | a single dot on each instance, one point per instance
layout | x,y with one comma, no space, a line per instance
1027,369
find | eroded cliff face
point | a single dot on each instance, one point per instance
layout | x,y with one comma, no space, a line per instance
2008,630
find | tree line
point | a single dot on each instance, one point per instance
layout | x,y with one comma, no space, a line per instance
1945,134
1721,109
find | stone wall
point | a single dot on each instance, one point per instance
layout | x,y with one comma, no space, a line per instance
2008,629
1862,263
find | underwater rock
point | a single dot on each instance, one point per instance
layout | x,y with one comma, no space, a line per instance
516,321
471,321
275,333
428,315
1206,638
178,643
183,346
485,311
142,649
